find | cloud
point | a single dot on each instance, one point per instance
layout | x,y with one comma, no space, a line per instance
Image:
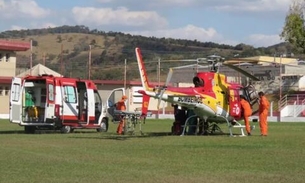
17,27
43,25
181,3
148,18
120,16
221,5
11,9
33,26
253,6
189,32
261,40
104,1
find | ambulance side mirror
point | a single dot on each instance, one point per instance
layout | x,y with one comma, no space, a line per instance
66,99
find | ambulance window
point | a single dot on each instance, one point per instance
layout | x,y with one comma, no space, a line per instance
51,92
15,92
97,97
70,94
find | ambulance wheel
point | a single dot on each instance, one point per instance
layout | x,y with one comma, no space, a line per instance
104,126
66,129
29,129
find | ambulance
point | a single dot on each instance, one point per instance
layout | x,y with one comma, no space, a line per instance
60,103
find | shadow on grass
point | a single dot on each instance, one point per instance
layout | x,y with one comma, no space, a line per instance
114,136
109,135
11,132
39,131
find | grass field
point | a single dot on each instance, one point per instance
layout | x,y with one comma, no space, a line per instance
88,156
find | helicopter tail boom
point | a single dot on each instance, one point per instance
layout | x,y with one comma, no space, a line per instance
145,103
142,70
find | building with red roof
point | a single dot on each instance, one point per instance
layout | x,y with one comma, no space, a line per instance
8,53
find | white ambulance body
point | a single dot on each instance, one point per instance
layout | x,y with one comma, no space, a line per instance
58,103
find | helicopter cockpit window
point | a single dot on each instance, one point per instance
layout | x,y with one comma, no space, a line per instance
198,82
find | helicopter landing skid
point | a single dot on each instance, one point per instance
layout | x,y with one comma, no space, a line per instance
237,125
215,128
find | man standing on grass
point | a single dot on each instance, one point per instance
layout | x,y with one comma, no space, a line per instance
121,107
246,112
263,113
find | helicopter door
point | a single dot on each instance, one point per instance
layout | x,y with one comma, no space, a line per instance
113,98
234,101
16,101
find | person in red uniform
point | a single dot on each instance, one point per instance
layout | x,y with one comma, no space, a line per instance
120,105
246,112
263,113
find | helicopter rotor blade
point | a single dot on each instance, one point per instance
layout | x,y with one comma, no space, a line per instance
188,60
160,96
255,61
242,71
169,77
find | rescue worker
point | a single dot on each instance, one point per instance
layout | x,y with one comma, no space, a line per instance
30,108
192,122
246,112
120,105
180,118
263,113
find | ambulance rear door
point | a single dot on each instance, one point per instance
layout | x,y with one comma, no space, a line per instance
16,101
50,100
90,103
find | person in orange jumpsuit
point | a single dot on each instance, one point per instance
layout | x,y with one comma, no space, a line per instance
263,113
120,105
247,112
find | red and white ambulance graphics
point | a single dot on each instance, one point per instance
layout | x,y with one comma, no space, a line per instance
49,102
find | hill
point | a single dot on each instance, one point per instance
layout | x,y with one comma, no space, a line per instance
65,49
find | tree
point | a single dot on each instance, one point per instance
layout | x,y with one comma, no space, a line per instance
294,30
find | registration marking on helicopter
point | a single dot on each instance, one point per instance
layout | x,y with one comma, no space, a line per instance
197,100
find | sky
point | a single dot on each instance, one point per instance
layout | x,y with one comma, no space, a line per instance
253,22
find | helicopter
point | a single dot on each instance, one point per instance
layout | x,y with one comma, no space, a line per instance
213,99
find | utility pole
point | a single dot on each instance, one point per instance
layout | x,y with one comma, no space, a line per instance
61,60
44,59
279,103
31,57
89,63
125,73
281,77
159,78
159,71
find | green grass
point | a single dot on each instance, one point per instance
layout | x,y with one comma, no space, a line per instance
88,156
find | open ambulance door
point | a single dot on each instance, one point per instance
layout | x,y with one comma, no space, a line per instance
16,101
113,98
48,101
89,104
